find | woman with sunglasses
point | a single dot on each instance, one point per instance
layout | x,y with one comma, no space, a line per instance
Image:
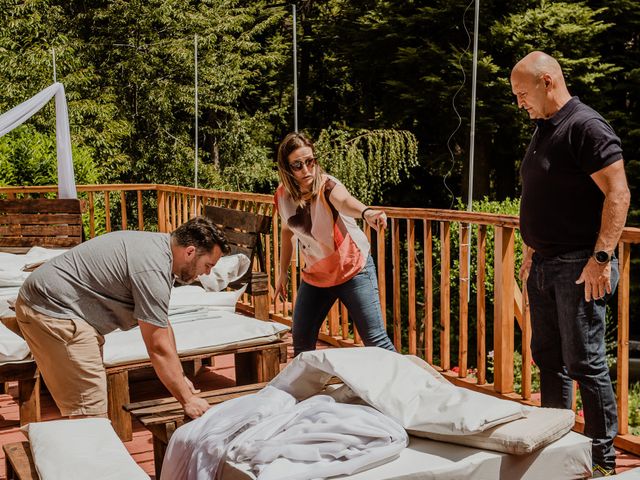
319,212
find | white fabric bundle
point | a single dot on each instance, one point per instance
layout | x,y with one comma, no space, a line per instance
399,388
318,438
197,448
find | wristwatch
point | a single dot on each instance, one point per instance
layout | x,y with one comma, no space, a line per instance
602,257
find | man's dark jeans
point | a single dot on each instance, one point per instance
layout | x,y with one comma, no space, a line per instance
568,343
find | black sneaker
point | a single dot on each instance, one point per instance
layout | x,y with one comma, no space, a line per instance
599,472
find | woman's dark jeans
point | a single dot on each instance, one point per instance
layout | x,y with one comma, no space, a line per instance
568,343
360,296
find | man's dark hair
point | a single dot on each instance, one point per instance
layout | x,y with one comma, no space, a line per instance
202,233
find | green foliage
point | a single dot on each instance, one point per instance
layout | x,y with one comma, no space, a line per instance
634,408
28,157
367,161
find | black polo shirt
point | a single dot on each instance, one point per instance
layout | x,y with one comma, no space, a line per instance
561,205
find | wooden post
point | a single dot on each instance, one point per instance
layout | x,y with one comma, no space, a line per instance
118,395
481,345
445,294
411,280
504,282
464,299
395,256
622,385
428,291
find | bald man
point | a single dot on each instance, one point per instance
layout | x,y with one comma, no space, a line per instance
573,209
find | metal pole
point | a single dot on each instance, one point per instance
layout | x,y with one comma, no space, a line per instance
53,53
195,44
472,135
473,105
295,71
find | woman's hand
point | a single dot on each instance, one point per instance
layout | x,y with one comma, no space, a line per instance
281,288
376,219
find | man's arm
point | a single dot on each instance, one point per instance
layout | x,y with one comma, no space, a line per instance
161,347
613,183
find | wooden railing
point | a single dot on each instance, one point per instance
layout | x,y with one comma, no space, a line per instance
424,285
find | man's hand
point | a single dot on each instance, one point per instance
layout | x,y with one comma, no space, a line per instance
596,279
195,407
526,263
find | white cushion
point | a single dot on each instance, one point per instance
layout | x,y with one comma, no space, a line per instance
79,450
228,269
399,388
539,428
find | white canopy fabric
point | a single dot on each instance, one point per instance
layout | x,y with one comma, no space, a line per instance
20,114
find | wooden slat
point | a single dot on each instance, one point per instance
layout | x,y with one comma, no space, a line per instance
622,369
526,345
31,205
395,257
39,241
107,211
411,287
140,211
504,284
344,321
17,218
40,230
123,209
239,219
481,321
445,295
428,291
92,216
465,239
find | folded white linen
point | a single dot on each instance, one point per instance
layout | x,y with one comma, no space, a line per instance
16,262
215,330
228,269
318,438
7,295
12,278
197,448
399,388
192,295
12,347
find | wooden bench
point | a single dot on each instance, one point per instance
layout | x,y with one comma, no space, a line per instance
258,363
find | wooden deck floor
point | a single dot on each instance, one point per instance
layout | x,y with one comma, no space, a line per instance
219,376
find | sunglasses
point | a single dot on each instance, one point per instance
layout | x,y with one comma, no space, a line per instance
298,164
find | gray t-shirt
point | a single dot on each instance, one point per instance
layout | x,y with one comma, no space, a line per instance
110,281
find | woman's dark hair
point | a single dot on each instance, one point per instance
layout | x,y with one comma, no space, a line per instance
289,144
202,233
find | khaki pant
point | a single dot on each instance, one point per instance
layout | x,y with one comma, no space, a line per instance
68,353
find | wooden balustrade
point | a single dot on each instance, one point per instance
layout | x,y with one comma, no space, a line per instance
412,270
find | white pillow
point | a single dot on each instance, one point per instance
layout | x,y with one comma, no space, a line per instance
80,449
228,269
538,429
399,388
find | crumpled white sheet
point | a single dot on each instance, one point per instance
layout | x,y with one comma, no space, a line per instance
318,438
13,349
197,448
